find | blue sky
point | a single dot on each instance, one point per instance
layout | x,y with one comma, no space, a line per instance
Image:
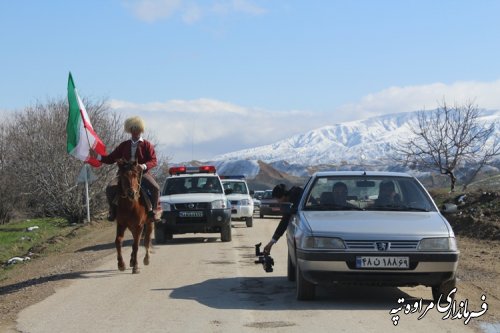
215,76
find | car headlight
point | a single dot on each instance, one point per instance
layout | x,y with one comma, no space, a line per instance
438,244
311,242
219,204
165,206
245,202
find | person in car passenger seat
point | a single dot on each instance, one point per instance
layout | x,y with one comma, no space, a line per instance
387,195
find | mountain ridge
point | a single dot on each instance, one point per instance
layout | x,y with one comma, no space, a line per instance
366,141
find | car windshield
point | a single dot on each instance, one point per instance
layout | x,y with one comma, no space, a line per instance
267,195
258,194
182,185
377,193
236,187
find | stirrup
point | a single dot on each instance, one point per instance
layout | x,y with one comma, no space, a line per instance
152,216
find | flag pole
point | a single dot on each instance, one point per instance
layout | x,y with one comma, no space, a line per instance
76,140
87,191
87,199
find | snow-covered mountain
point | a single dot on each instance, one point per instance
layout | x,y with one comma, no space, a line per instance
364,142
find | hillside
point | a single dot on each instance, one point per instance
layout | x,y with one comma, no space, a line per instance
268,177
478,212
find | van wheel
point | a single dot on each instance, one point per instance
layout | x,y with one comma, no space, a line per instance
225,234
160,237
249,221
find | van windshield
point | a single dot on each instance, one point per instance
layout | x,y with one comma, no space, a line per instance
183,185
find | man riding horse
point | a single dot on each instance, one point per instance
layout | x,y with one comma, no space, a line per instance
141,150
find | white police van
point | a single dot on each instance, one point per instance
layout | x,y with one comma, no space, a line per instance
239,196
193,201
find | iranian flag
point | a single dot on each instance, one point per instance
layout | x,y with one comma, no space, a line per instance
80,134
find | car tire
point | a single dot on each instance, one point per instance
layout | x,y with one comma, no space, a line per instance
160,237
290,274
305,290
225,234
444,289
261,215
249,221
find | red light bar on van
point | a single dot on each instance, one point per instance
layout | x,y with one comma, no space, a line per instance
207,169
183,169
177,170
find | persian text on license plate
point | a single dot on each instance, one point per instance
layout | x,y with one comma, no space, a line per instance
191,214
383,262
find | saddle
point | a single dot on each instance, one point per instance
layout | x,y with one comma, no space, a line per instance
145,198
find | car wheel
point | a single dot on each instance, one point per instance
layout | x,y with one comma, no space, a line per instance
159,234
225,234
249,221
305,290
261,215
290,274
444,289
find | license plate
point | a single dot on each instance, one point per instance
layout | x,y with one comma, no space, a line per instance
191,214
275,209
383,262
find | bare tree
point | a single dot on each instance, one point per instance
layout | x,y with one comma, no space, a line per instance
45,174
450,137
9,196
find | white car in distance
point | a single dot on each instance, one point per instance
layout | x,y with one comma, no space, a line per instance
241,201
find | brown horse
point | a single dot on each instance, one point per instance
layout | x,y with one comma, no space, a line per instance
131,213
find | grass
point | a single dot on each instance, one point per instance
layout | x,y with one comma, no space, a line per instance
17,241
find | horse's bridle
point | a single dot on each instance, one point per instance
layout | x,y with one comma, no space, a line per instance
130,193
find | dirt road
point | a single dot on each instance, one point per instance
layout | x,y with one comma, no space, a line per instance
200,284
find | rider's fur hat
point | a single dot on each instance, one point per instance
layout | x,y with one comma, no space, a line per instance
134,122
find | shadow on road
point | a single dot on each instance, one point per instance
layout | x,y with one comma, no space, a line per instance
277,293
13,288
128,243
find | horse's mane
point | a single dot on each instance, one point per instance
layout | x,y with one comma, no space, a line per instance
125,165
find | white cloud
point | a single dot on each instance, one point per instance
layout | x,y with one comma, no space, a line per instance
178,124
214,127
192,13
189,11
486,95
242,6
153,10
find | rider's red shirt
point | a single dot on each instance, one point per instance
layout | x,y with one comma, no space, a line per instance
145,154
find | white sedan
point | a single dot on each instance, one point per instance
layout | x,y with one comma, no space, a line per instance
377,228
